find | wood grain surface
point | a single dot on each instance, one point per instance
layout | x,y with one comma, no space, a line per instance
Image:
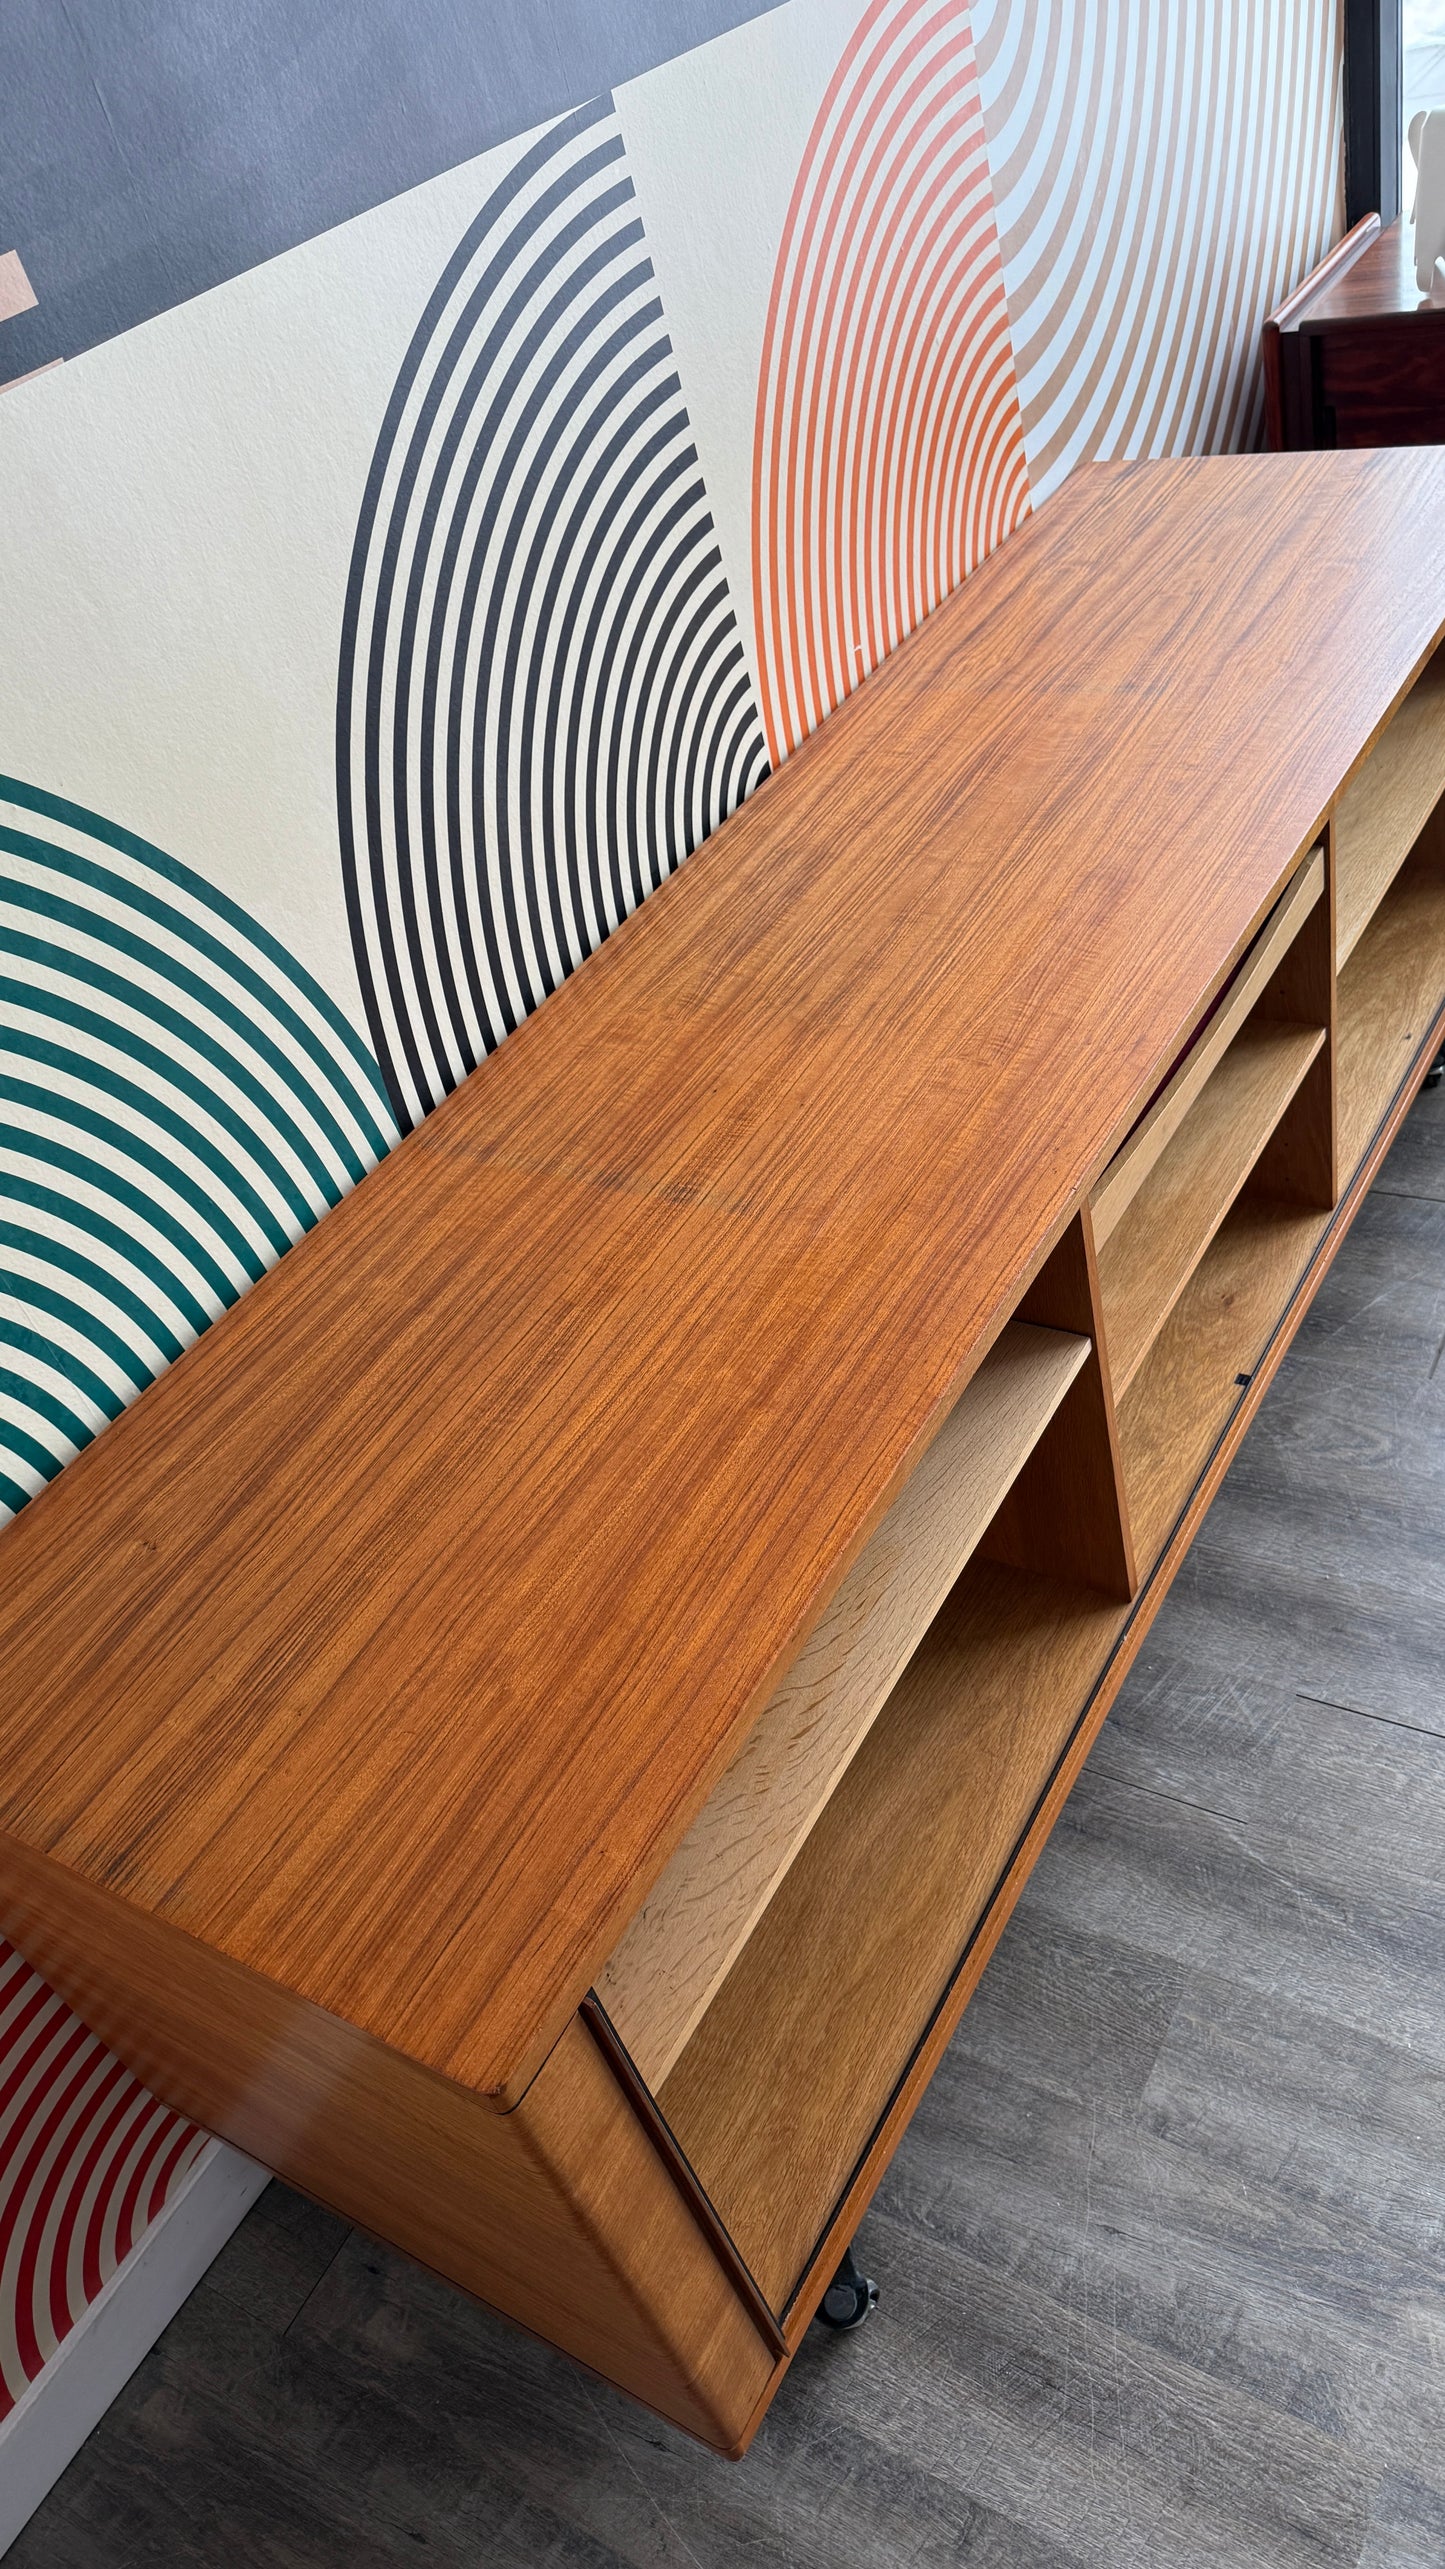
822,2011
1192,1382
1066,1513
1390,993
1377,284
682,1941
1201,1370
561,2214
1301,1159
390,1644
1383,383
1165,2229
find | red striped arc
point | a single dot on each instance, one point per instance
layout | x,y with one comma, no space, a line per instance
88,2157
888,453
857,305
39,2174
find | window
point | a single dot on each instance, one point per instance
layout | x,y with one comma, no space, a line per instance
1374,126
1423,33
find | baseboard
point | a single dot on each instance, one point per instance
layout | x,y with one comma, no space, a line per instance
49,2423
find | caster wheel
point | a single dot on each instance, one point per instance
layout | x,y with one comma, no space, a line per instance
849,2297
1435,1073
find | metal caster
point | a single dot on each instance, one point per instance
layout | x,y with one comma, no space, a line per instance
1435,1073
849,2297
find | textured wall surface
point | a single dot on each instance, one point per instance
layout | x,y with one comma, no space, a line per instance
384,621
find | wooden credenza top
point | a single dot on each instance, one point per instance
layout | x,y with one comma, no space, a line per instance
1379,285
393,1639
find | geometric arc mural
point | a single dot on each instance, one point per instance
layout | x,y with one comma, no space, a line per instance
87,2159
179,1101
889,451
543,702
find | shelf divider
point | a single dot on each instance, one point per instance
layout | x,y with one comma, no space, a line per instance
1389,992
1066,1513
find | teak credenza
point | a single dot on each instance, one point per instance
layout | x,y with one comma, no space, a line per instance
534,1725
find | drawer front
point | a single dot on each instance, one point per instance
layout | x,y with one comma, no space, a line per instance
1385,385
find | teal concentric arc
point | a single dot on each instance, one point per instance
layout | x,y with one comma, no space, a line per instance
179,1101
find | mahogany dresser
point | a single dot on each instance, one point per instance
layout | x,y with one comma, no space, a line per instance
535,1724
1356,355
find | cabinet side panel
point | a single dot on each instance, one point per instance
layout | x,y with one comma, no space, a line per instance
559,2214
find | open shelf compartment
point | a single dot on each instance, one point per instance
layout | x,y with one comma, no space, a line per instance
779,1983
1149,1258
1115,1191
1386,805
676,1952
781,2089
1197,1372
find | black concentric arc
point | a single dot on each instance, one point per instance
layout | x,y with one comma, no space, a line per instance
543,702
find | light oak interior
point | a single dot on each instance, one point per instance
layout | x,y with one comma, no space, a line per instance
1130,1166
1198,1370
775,2097
1389,991
679,1946
784,2079
1386,805
1150,1258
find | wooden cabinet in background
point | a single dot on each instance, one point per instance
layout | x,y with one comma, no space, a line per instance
535,1724
1356,355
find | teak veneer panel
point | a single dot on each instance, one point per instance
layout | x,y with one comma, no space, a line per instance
1151,1256
782,2084
682,1941
561,2214
1129,1167
393,1640
1387,805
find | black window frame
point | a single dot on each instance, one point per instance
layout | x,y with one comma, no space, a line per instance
1374,107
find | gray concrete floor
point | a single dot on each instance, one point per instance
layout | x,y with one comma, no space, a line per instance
1161,2255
